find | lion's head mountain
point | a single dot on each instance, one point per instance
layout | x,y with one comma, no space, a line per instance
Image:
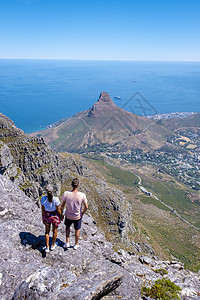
105,123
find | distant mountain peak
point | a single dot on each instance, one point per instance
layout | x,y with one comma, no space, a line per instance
108,124
105,98
103,104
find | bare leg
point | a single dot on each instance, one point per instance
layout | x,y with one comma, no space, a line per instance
47,230
55,228
77,234
67,234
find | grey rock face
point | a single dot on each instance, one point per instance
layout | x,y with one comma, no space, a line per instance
91,272
65,285
45,279
116,210
94,284
30,163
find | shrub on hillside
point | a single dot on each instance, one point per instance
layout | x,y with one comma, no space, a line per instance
161,271
163,289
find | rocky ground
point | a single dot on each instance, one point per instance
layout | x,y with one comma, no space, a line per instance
94,271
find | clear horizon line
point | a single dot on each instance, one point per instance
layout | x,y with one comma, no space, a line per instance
80,59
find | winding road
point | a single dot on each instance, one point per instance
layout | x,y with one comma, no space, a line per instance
166,205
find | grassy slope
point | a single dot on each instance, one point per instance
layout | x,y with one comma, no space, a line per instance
176,197
156,224
116,175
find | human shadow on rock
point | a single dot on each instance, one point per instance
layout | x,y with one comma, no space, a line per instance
37,242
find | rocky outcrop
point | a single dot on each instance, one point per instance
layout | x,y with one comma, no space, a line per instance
91,285
117,211
104,103
29,161
91,272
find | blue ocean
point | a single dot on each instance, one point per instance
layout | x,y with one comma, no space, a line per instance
37,93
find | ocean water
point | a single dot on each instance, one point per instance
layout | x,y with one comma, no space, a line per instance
37,93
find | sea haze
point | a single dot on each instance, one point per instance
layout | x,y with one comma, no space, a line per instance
37,93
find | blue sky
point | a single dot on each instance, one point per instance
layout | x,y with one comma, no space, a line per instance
100,30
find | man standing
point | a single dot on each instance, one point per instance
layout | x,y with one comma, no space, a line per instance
73,201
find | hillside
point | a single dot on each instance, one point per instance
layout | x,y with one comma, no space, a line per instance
188,122
156,224
105,125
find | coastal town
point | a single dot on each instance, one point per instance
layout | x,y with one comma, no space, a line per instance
174,115
181,159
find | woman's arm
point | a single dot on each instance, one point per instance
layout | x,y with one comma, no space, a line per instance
43,210
63,206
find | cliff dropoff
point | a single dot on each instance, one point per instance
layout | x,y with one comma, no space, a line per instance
94,271
32,165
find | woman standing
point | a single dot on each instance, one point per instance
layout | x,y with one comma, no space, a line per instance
51,214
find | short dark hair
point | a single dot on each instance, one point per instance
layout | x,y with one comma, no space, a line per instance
75,183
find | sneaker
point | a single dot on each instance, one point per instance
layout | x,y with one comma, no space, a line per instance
75,247
54,246
66,245
46,249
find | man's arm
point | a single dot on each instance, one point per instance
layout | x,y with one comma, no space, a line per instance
85,208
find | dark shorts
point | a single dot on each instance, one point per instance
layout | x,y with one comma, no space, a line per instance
77,223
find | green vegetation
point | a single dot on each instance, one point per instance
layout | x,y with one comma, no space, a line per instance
169,193
161,271
42,169
175,238
26,184
167,233
117,175
153,201
163,289
175,197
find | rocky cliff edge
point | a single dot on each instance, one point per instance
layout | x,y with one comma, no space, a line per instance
94,271
32,165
